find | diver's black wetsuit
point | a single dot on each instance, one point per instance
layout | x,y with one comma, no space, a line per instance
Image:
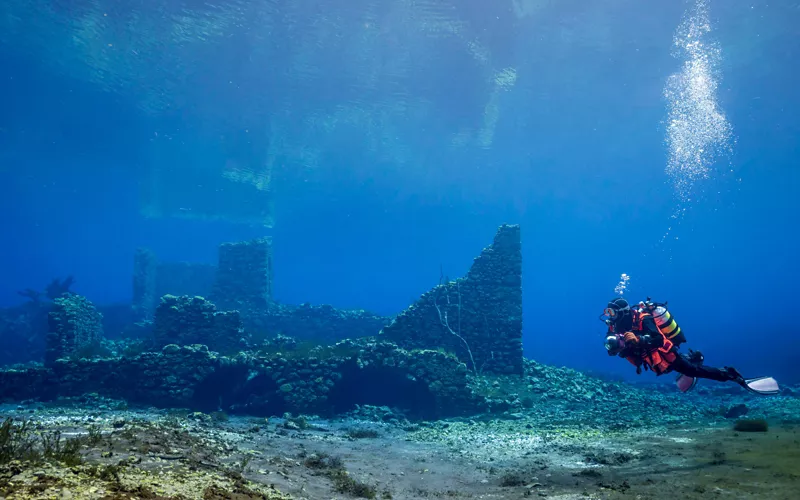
685,366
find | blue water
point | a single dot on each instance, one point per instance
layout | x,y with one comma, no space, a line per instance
577,159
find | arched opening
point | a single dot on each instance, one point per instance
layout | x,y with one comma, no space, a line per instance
382,386
237,389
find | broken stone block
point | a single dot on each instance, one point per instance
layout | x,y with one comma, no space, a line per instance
244,275
74,324
194,320
477,317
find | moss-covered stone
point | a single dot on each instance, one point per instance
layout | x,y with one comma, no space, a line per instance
321,323
478,317
74,323
244,275
153,279
193,320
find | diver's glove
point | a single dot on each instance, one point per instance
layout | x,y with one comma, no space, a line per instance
631,337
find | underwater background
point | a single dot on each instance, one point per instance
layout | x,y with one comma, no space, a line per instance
381,144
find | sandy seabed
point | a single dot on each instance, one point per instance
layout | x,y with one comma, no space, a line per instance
158,454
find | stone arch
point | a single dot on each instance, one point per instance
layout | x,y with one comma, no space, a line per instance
380,385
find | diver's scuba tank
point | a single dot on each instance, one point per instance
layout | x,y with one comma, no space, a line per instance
664,320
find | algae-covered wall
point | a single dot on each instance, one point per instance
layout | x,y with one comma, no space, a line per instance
74,324
194,320
428,384
321,323
244,277
478,317
153,279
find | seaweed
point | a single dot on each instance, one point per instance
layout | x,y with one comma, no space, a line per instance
18,442
57,288
66,451
344,483
362,433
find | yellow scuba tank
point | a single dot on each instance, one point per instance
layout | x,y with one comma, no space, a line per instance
664,320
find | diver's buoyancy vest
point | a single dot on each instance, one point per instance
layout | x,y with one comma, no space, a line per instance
664,320
661,358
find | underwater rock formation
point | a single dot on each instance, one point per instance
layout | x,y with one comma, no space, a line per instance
194,320
478,317
153,279
74,324
244,276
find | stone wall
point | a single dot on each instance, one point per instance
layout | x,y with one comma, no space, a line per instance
427,384
321,323
153,279
193,320
185,278
478,317
74,324
244,277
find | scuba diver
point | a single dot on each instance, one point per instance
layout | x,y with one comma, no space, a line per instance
649,337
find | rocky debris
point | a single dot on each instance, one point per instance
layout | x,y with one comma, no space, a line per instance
244,275
478,317
194,320
145,457
74,324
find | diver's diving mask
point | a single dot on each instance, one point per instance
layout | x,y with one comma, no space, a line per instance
612,314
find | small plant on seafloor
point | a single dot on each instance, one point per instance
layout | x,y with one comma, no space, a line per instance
343,482
18,442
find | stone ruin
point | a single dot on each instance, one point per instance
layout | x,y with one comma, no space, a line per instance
242,281
206,357
153,279
244,275
194,320
74,325
478,317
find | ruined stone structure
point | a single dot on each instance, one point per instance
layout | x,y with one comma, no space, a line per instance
426,384
478,317
74,324
321,323
193,320
153,279
244,275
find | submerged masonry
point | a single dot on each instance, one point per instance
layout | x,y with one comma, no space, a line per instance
214,334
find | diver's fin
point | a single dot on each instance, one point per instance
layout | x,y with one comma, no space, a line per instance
685,383
762,385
